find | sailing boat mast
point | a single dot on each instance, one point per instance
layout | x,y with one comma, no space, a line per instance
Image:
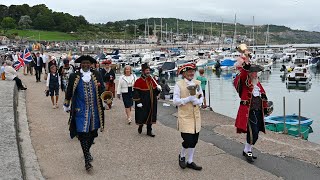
235,31
267,39
211,32
222,35
191,28
253,34
161,29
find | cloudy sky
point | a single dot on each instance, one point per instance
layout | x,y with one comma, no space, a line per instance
297,14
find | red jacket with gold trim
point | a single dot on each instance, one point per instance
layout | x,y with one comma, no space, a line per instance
244,87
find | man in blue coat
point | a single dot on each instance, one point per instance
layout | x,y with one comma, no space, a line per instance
83,102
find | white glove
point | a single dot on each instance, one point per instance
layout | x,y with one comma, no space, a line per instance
191,98
139,105
196,102
66,109
159,87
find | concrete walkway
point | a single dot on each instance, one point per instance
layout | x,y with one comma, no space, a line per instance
120,152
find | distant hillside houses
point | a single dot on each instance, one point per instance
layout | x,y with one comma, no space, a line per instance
4,40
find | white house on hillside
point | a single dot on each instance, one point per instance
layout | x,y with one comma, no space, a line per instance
4,40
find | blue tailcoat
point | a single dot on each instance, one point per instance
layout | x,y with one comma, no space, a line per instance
86,105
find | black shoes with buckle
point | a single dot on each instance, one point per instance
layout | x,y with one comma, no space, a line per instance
149,133
88,166
194,166
182,162
249,156
253,157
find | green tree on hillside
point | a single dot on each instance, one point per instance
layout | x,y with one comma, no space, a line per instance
16,11
8,23
25,22
40,8
44,22
3,12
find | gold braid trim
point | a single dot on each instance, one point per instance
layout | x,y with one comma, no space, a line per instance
98,101
85,86
75,84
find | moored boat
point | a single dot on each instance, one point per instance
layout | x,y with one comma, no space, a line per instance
290,119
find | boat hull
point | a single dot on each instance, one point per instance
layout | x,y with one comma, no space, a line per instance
290,119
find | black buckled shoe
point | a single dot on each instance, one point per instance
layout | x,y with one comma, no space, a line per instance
88,166
249,157
194,166
149,133
253,157
182,162
140,129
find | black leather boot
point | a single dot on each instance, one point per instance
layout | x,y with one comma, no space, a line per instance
140,129
149,130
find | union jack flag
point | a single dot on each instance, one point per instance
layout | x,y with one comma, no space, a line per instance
27,56
20,63
23,59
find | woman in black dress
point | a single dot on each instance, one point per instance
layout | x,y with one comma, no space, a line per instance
126,82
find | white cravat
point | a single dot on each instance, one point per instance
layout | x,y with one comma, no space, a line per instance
256,91
86,76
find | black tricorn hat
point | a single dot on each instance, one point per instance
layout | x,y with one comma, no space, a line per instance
145,66
255,68
85,57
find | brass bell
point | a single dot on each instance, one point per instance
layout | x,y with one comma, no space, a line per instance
107,97
242,47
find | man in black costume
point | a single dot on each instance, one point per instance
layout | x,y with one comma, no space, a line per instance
145,95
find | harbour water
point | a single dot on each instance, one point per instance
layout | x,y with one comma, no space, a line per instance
225,100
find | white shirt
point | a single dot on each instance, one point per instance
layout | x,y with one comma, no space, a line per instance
44,58
38,61
177,100
86,76
48,80
256,91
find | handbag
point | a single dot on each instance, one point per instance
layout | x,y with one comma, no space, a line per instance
46,92
3,76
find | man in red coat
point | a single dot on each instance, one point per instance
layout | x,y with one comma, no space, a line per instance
253,105
145,95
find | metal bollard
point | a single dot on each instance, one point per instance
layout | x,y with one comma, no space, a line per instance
299,128
209,96
285,131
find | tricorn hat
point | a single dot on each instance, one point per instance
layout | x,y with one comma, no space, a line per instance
186,67
145,66
85,57
255,68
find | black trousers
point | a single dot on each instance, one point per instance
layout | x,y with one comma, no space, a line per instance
189,140
38,72
254,123
18,82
